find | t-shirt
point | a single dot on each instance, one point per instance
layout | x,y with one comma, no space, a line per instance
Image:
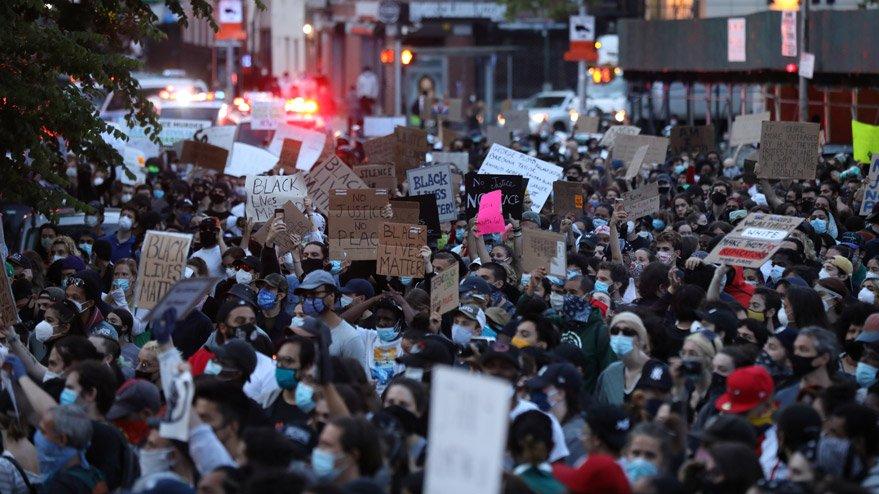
348,343
214,260
382,357
292,422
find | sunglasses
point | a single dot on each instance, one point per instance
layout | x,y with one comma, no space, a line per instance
623,330
75,282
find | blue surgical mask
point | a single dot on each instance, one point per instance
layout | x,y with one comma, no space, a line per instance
622,345
286,378
658,224
406,280
865,374
601,286
212,368
86,249
573,273
493,238
324,464
51,456
68,397
335,266
461,335
819,225
266,299
776,272
387,334
460,234
158,193
297,321
598,222
638,468
121,284
313,306
304,397
679,169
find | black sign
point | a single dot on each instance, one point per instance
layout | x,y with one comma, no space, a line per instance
512,189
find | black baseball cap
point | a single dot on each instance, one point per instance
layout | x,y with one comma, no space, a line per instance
238,353
427,353
503,351
562,375
610,424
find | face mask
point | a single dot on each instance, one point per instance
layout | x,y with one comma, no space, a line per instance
297,321
598,222
556,301
345,301
145,375
823,274
782,317
718,197
730,172
91,220
86,249
635,269
158,193
324,464
125,198
865,374
57,258
243,277
519,342
461,335
639,468
43,331
664,257
286,378
622,345
121,284
540,399
336,266
802,365
819,225
230,272
304,397
125,223
313,306
71,172
218,198
51,456
49,375
460,234
572,273
658,225
266,299
602,287
387,334
718,381
136,431
679,169
755,315
867,296
155,461
68,397
776,272
212,368
406,280
309,265
46,242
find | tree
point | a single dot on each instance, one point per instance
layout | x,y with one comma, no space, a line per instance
56,55
548,9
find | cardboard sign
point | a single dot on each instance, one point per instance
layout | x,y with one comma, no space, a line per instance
444,291
469,418
461,160
381,149
517,121
399,248
871,193
289,153
204,155
497,135
265,193
381,126
788,150
8,310
355,219
435,180
489,218
249,160
567,197
511,187
625,146
746,128
419,210
296,223
587,124
643,201
634,167
865,141
754,240
615,131
697,139
183,296
162,260
411,147
328,175
540,174
267,115
455,107
380,176
544,249
312,144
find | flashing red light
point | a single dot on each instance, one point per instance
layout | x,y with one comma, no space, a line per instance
791,68
386,56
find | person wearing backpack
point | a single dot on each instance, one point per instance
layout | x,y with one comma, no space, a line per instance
64,434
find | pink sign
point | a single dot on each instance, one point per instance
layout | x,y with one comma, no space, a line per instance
489,218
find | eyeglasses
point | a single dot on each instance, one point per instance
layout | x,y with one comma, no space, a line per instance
625,331
75,282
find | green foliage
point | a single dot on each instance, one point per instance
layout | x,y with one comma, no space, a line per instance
56,55
545,9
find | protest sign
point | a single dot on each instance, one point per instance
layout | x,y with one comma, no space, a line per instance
517,121
587,124
634,167
865,141
871,193
455,110
489,218
469,417
511,187
411,147
265,193
296,223
381,126
379,176
643,201
497,135
788,150
746,128
567,197
204,155
615,131
540,174
461,160
289,153
266,114
312,144
625,146
544,249
435,180
8,310
222,136
381,149
696,139
175,424
162,259
753,241
444,291
175,130
420,210
354,222
183,296
399,250
330,174
249,160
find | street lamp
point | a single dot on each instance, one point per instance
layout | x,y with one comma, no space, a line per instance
308,29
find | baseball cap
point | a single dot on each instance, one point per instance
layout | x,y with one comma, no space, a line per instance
315,280
599,474
870,330
19,260
72,262
252,262
359,286
724,321
655,375
746,388
274,280
427,353
852,240
134,396
497,317
476,286
532,217
239,353
502,351
562,375
472,312
726,427
53,293
610,423
104,330
243,292
588,239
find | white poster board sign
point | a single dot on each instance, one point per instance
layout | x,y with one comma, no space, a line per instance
502,160
381,126
807,65
249,160
267,114
312,144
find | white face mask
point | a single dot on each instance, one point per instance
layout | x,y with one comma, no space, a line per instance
823,274
125,223
556,301
244,277
345,301
49,375
71,172
125,197
782,317
188,272
230,272
98,181
867,296
57,257
155,461
43,331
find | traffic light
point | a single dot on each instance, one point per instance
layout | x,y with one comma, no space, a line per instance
386,56
407,56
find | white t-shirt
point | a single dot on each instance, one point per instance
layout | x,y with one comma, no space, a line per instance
348,343
213,258
382,357
262,381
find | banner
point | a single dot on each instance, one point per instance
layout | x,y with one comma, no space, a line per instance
540,174
544,249
643,201
435,180
162,260
328,175
753,241
788,150
354,222
746,129
865,141
379,176
399,250
444,291
265,193
512,192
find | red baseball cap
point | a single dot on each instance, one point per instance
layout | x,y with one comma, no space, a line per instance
746,388
599,474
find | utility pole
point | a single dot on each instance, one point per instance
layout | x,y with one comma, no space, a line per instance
804,47
581,77
398,73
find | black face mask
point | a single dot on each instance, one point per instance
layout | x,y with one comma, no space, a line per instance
309,265
207,238
218,198
145,375
853,349
802,365
243,332
718,197
718,382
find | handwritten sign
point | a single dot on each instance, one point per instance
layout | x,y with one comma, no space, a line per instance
204,155
643,201
399,248
330,174
289,153
313,144
865,141
435,180
788,150
183,296
540,174
615,131
696,139
567,197
381,126
162,259
8,310
587,124
355,218
511,186
871,194
444,291
221,136
249,160
625,146
381,149
296,223
469,417
380,176
634,167
267,114
265,193
746,129
489,218
544,249
461,160
754,240
419,210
